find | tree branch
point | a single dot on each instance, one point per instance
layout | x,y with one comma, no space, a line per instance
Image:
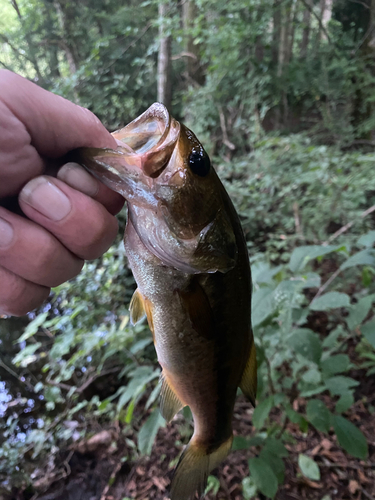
321,25
347,226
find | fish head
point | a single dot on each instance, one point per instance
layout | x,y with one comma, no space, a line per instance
176,202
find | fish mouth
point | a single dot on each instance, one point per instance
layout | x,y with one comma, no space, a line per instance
145,146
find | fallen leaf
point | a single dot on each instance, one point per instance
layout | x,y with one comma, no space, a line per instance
312,484
326,444
362,477
353,486
316,450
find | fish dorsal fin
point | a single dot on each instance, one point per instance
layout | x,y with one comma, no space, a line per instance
170,403
137,308
248,384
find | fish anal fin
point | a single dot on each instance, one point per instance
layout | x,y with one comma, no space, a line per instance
248,384
137,307
170,403
194,468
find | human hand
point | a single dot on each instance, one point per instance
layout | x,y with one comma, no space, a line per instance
69,218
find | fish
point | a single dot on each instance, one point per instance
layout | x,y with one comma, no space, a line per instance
188,255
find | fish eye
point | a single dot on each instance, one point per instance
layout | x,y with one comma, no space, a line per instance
199,162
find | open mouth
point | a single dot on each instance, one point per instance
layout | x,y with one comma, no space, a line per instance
152,137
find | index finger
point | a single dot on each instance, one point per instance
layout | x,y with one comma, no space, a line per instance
36,124
55,125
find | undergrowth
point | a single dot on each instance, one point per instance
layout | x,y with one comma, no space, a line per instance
292,197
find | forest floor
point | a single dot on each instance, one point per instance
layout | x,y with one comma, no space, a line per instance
99,472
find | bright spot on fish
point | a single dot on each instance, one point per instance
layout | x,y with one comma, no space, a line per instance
181,335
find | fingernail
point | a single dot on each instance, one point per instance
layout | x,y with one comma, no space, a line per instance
6,233
46,198
78,178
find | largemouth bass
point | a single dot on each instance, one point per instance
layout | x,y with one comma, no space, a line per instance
187,251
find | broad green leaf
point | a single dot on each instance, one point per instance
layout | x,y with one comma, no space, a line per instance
53,394
129,412
296,418
330,300
364,257
262,411
367,240
213,485
140,345
244,443
332,339
345,402
240,443
263,476
249,488
148,431
335,364
140,377
302,255
359,311
26,355
276,447
153,396
262,305
276,463
312,376
306,343
318,415
339,385
311,280
368,331
309,467
367,276
33,327
262,273
350,437
62,345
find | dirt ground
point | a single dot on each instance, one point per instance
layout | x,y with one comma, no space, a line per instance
103,472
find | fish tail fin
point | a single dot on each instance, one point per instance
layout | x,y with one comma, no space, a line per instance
194,467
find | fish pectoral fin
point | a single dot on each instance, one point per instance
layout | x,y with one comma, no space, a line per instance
195,303
248,384
137,308
170,403
194,467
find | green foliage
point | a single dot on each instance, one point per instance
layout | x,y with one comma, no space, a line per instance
300,362
292,192
263,477
308,467
84,336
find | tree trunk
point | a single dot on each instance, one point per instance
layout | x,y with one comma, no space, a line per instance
325,16
306,30
164,61
285,15
65,45
276,14
194,69
364,107
291,30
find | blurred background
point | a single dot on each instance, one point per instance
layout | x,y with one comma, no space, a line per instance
281,93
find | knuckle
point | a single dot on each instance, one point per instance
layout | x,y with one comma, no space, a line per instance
99,237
